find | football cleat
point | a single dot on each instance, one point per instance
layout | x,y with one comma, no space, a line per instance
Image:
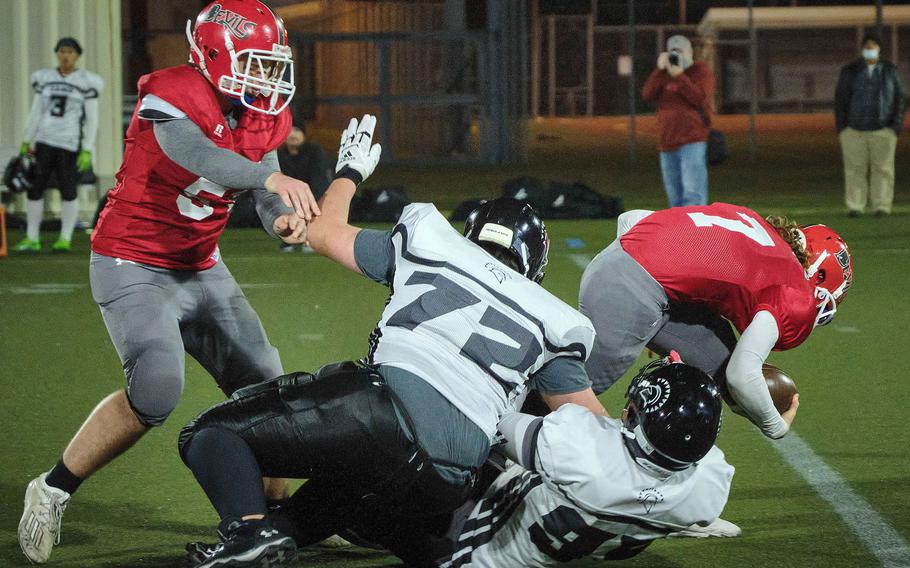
62,245
719,528
247,544
27,245
39,528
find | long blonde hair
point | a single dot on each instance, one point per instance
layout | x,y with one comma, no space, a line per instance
789,231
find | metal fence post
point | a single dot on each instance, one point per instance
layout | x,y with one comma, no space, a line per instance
385,106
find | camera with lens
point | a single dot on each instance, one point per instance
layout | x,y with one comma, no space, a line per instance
674,59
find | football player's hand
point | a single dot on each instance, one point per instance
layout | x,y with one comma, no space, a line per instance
291,229
790,414
84,161
294,194
25,148
663,60
357,158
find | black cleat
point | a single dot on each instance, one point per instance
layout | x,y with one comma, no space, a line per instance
246,544
199,552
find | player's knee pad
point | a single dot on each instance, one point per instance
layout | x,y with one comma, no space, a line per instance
154,386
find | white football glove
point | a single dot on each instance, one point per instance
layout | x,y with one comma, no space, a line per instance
356,158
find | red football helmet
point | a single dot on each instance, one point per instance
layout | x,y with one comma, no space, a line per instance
241,47
830,269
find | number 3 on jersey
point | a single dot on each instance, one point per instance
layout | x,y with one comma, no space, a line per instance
753,230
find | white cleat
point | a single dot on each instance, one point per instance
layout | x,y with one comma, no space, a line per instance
39,528
719,528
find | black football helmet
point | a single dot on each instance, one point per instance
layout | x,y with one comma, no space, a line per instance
513,225
673,416
20,173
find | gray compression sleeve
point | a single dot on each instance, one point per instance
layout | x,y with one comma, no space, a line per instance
185,144
269,205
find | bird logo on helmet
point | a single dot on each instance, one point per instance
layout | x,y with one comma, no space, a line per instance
830,269
241,47
672,416
514,226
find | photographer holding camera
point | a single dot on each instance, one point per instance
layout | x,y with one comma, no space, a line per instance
683,89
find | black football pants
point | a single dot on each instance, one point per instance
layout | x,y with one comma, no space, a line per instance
338,429
57,161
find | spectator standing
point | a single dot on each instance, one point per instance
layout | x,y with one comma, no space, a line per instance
869,110
682,88
304,160
61,131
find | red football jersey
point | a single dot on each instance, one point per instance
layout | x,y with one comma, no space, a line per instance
728,259
161,214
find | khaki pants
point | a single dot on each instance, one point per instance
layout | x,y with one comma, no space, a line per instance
869,168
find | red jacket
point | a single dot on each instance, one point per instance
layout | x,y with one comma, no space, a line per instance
678,100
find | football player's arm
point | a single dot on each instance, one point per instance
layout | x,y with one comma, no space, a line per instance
564,380
34,118
518,433
746,381
278,219
330,234
629,219
184,143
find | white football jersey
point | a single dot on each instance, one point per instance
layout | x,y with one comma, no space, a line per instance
588,498
63,98
471,327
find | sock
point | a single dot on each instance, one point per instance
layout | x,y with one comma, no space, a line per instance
226,469
69,210
62,478
33,215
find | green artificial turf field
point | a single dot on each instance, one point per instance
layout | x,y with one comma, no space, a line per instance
56,363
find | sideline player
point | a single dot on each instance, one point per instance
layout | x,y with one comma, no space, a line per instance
62,125
677,279
200,133
467,329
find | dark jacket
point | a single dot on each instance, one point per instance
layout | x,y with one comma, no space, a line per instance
307,165
683,104
891,100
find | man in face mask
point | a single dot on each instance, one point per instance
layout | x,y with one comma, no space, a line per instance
869,109
683,89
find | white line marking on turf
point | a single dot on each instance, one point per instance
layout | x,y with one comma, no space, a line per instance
581,260
308,337
44,288
846,329
865,522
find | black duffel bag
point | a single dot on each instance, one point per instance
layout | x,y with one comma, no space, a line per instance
378,204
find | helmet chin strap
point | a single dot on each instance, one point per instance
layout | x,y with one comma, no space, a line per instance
195,48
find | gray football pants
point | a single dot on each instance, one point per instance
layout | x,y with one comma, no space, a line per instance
630,311
154,314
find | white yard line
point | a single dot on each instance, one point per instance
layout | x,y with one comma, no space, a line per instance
879,537
581,260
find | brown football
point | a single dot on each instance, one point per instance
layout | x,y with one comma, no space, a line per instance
780,385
